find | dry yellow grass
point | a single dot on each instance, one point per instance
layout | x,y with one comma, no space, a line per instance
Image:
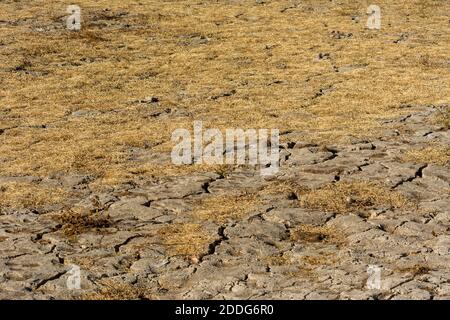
439,155
76,222
345,197
443,117
19,195
186,239
223,209
321,234
184,53
71,102
280,260
310,234
415,270
288,188
321,259
117,290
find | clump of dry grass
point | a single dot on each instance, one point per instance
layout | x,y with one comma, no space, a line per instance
345,197
443,117
222,209
320,234
19,195
279,260
117,290
321,259
224,170
439,155
310,234
285,187
296,267
186,239
77,222
415,270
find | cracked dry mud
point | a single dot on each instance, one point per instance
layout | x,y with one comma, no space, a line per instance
159,239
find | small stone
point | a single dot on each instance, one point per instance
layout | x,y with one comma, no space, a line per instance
194,259
150,99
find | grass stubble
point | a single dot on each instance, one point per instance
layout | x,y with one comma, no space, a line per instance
74,102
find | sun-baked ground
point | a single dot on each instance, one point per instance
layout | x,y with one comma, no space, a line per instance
86,176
